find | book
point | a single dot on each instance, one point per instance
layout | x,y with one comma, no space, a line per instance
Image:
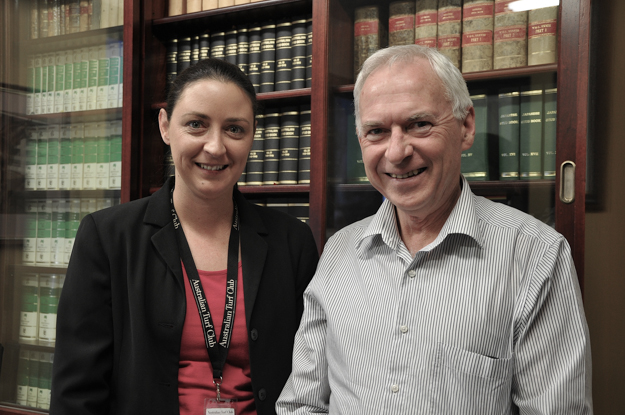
52,162
531,134
114,55
217,45
210,4
254,56
37,83
171,62
74,17
268,57
77,75
254,168
91,156
21,397
426,23
69,81
115,165
184,54
176,7
34,21
194,6
289,145
271,163
104,66
103,155
541,37
77,132
401,23
508,132
303,163
59,81
86,74
510,37
309,50
205,46
225,3
477,35
195,50
243,48
368,34
49,78
65,157
298,53
549,132
230,50
92,77
283,64
474,163
84,15
30,160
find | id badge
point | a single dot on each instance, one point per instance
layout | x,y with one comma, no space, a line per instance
221,407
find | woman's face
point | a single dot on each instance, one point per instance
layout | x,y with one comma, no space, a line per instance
210,133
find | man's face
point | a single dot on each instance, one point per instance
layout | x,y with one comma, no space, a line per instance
411,143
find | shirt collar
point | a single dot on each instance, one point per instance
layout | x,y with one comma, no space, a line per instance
462,220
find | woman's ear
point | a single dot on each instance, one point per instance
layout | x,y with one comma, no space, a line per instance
163,125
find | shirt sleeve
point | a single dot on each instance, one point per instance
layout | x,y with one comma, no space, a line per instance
307,390
552,346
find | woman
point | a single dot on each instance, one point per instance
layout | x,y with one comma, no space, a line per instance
130,339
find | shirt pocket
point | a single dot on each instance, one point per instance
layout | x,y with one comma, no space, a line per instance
467,383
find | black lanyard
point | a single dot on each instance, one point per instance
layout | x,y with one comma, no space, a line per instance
217,349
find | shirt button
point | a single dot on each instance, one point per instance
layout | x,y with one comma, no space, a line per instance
404,329
262,394
412,273
394,388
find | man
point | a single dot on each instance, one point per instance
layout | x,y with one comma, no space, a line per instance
442,302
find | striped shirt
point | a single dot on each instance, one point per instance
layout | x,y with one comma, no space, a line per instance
487,319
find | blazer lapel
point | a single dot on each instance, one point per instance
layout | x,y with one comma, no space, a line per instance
159,213
253,251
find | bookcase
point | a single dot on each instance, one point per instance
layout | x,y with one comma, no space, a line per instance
336,195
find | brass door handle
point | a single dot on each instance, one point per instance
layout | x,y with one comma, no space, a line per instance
567,182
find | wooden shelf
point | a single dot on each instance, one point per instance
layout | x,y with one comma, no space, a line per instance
74,40
77,116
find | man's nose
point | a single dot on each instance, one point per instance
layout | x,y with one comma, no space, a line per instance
399,147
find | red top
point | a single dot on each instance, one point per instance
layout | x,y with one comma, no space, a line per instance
195,374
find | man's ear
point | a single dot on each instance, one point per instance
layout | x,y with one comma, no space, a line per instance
163,125
468,130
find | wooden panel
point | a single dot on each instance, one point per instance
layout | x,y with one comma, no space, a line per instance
573,72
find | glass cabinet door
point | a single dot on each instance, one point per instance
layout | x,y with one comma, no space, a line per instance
512,75
61,156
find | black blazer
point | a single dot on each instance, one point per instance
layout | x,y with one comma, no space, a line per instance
123,306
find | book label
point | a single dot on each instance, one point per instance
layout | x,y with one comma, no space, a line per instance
450,15
449,41
478,11
477,38
425,18
396,24
365,28
509,33
537,29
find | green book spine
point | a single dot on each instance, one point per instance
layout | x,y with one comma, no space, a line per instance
51,74
531,135
29,308
115,169
59,81
30,167
549,128
52,167
104,72
509,147
21,397
69,81
29,249
38,83
44,381
78,155
475,160
92,78
114,55
65,158
33,378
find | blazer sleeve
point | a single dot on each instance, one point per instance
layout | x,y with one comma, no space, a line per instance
83,360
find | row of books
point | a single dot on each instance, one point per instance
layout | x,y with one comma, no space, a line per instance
38,308
75,80
178,7
476,35
525,137
50,227
299,208
78,156
61,17
275,55
34,378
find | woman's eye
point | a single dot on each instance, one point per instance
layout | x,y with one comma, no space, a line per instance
195,124
235,129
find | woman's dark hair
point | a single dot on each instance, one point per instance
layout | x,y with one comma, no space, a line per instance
210,69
